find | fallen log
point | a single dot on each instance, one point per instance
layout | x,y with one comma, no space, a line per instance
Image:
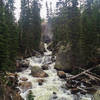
82,89
84,72
73,77
91,75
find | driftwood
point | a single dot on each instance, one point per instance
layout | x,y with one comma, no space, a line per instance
82,89
91,75
86,72
86,77
73,77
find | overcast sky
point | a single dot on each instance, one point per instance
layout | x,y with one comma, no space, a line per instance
43,9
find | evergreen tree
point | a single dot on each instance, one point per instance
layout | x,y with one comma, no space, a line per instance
8,30
36,24
89,31
30,23
4,55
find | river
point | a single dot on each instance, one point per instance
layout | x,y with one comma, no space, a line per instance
53,87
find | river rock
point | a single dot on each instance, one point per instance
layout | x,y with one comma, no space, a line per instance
25,86
97,95
40,81
23,79
38,72
61,74
45,67
63,59
75,90
21,65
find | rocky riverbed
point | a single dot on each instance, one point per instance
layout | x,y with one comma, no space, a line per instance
44,81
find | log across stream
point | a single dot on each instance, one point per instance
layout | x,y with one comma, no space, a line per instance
52,88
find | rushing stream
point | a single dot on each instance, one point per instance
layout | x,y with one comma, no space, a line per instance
53,87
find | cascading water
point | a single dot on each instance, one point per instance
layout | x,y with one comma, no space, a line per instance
53,87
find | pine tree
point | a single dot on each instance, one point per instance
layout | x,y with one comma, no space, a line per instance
3,40
8,34
36,24
30,23
89,31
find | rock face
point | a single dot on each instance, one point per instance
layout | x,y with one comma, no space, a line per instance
61,74
25,86
63,59
38,72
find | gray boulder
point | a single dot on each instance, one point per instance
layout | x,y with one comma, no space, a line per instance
63,59
38,72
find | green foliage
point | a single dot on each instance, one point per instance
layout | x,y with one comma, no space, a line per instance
30,96
8,36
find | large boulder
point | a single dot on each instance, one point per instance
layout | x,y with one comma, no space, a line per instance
38,72
63,59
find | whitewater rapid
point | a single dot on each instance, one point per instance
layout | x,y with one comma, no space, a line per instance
53,84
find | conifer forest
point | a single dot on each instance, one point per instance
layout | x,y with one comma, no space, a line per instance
50,51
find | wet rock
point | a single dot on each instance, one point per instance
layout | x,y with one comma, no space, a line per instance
21,65
53,59
23,79
54,93
38,72
45,67
25,86
63,59
97,95
40,81
54,96
75,90
61,74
